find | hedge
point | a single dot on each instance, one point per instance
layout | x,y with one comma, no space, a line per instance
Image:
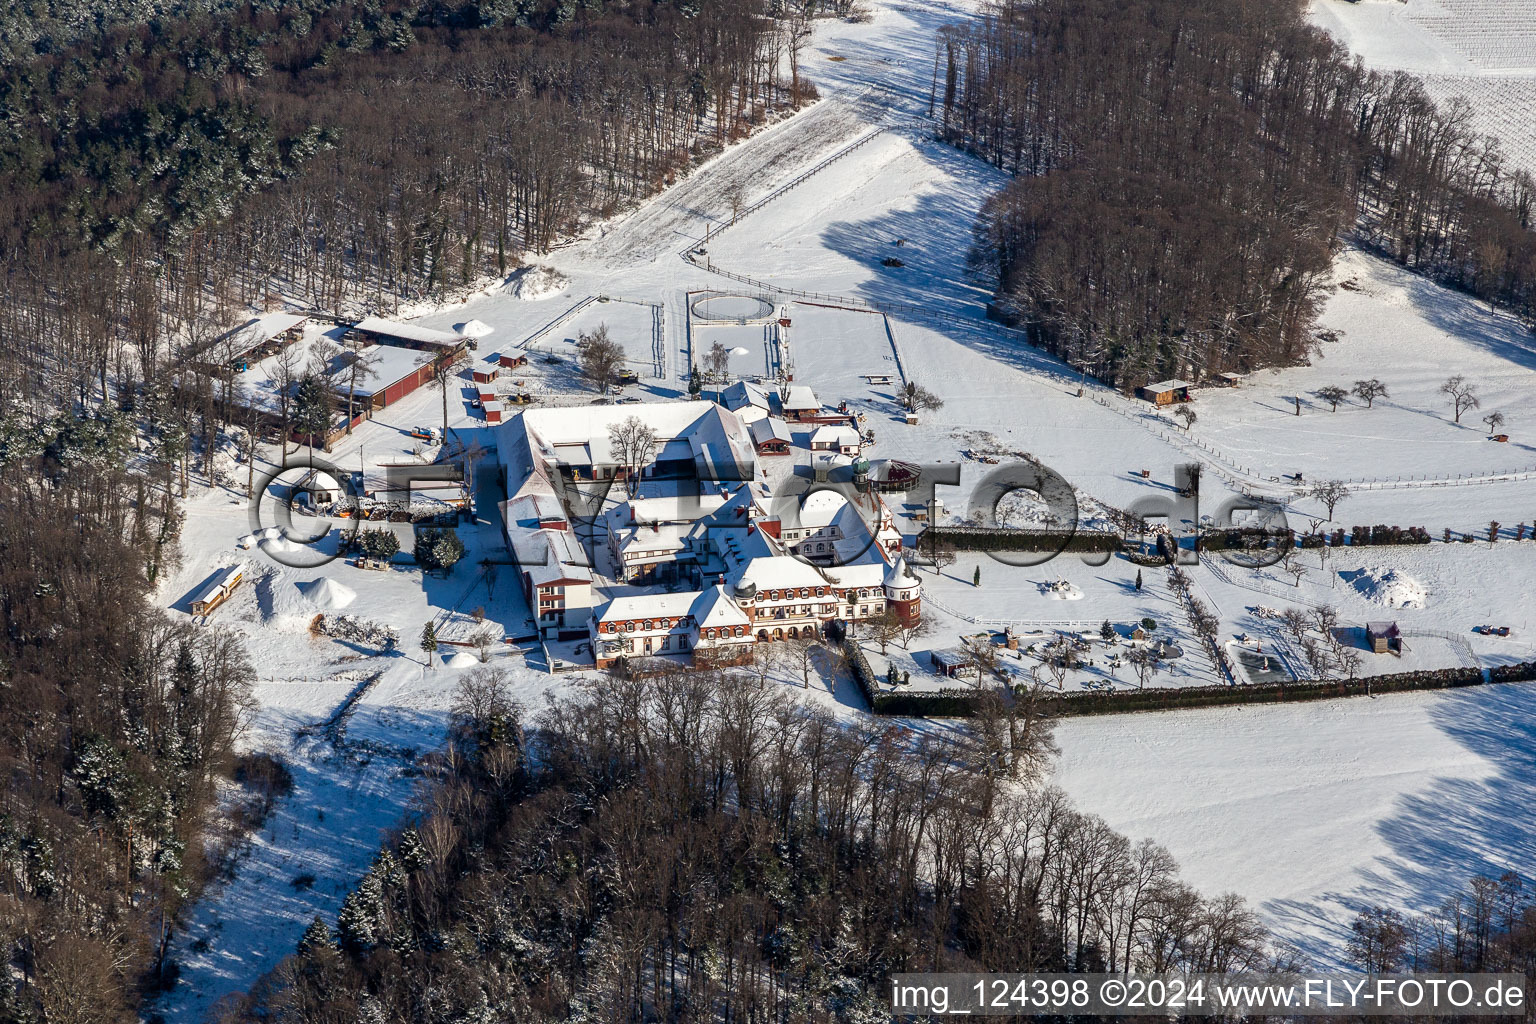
956,703
940,704
863,675
997,538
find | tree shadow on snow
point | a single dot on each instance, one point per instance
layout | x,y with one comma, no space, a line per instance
1450,830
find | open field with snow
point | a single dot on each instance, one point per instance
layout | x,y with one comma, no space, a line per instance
1316,811
1411,335
1482,51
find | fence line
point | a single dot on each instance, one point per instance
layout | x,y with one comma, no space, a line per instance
528,343
793,183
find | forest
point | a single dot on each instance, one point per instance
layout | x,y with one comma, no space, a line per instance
163,178
696,846
1184,171
116,726
166,167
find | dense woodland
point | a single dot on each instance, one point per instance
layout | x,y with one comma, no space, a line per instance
1186,168
160,179
693,847
115,723
161,172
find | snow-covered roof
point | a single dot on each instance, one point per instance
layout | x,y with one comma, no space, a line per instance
387,363
838,435
780,572
529,509
633,607
653,539
218,583
254,332
719,442
799,398
551,556
715,608
769,428
898,575
408,332
1168,385
744,394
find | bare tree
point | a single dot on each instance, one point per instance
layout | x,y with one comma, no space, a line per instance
1333,395
1295,622
884,629
918,398
599,357
942,556
444,372
983,656
1378,941
1186,412
1146,661
1463,395
1494,421
483,639
717,360
1330,494
285,375
633,443
1370,390
1290,561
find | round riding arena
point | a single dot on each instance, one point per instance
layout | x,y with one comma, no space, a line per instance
730,308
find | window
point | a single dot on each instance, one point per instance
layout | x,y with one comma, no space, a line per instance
740,630
805,591
647,623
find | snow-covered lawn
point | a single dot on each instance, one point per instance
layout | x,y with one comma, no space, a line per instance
1481,50
1315,811
1411,335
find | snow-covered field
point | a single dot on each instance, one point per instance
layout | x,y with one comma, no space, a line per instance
1410,335
1315,811
1308,810
1482,51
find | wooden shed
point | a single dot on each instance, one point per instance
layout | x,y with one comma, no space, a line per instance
1167,392
485,374
1383,637
218,590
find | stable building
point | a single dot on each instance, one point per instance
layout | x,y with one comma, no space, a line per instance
1167,392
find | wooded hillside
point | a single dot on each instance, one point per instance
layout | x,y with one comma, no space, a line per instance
1185,169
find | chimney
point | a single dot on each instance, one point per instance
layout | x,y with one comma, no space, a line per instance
741,511
721,579
751,529
631,513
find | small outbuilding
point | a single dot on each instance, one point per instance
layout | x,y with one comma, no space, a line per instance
218,590
1167,392
1383,637
800,404
844,440
952,664
770,436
